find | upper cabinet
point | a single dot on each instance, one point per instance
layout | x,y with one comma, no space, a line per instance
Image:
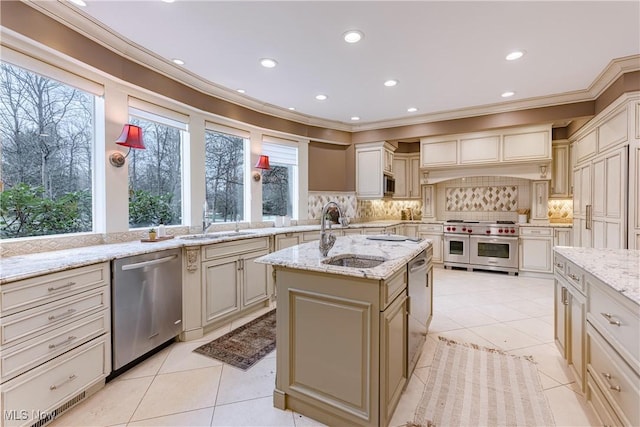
561,176
373,161
504,146
406,170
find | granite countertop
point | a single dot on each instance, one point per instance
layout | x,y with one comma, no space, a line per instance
25,266
307,256
549,225
618,268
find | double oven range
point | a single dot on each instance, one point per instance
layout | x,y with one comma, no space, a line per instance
482,245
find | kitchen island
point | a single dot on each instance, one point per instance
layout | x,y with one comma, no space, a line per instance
343,328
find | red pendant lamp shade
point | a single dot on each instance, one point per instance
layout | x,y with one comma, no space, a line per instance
131,137
263,163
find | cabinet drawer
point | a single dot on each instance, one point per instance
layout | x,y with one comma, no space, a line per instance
430,228
40,290
560,265
20,358
575,276
536,231
618,383
232,248
600,405
392,287
310,236
617,323
36,321
52,384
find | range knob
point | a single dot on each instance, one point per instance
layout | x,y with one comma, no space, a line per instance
469,230
464,228
500,230
512,231
488,231
453,229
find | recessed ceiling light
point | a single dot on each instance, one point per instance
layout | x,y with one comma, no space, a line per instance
178,61
268,62
507,94
412,109
321,97
353,36
292,108
240,90
516,54
390,83
78,2
355,118
168,1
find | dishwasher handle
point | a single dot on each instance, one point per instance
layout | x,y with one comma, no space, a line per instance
417,266
143,264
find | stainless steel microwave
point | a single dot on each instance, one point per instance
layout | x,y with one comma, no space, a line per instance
388,185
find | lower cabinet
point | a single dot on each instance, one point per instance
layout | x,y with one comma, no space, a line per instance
393,355
55,342
596,330
433,232
536,249
570,317
231,284
562,236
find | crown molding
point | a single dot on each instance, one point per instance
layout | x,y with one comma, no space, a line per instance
74,18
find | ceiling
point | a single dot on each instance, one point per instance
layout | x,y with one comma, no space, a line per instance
447,56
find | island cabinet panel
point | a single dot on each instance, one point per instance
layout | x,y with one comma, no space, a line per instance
328,347
393,355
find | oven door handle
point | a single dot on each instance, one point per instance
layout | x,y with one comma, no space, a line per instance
494,239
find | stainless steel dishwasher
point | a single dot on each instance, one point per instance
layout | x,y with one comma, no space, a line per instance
420,306
146,303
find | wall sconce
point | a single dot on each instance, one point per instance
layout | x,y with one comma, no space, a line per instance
263,164
131,137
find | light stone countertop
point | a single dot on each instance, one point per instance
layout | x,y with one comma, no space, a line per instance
549,225
26,266
618,268
307,256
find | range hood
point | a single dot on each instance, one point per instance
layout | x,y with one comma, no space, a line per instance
533,171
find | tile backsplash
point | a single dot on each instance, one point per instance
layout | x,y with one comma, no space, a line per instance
561,210
482,199
347,201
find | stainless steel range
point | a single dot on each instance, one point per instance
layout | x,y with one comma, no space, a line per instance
482,245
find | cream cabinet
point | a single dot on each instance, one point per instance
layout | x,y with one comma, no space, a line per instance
435,233
536,249
287,240
506,146
55,342
561,174
570,316
409,230
539,201
406,168
373,160
356,376
429,202
562,237
231,282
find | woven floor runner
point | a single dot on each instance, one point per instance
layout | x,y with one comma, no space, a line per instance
469,385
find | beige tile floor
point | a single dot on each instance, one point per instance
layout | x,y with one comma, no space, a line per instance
177,387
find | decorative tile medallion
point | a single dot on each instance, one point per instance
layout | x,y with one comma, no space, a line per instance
482,199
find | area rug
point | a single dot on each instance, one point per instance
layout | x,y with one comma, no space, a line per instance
469,385
244,346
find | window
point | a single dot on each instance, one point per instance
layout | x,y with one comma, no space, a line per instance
280,183
155,173
224,174
46,145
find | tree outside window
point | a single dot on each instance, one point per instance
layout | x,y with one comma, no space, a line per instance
155,176
46,143
279,183
224,176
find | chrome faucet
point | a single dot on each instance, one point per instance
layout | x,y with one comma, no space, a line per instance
327,239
